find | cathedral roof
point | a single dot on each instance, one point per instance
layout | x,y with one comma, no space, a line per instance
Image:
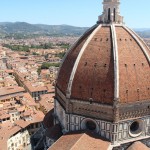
109,65
82,141
108,62
138,146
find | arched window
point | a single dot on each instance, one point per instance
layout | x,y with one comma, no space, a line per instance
114,14
109,14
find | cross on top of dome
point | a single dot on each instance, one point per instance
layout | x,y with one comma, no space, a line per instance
111,12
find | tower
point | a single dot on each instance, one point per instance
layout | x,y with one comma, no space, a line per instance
111,12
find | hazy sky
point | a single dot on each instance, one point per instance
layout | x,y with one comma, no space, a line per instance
72,12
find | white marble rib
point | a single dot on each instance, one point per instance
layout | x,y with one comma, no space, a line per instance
78,60
116,62
73,47
135,36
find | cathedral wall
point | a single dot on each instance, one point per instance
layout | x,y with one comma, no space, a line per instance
60,114
129,131
93,110
76,123
118,133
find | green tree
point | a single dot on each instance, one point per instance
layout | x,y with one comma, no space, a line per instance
46,65
60,55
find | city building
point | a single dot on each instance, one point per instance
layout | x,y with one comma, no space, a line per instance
35,89
102,95
53,73
19,120
14,137
46,102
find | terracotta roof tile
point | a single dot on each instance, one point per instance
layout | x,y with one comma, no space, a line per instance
82,141
134,69
49,119
138,146
66,69
94,76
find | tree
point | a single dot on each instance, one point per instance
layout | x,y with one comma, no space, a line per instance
46,65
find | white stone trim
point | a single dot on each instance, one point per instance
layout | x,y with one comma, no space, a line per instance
135,36
60,93
130,140
110,147
107,25
140,38
78,59
73,47
116,62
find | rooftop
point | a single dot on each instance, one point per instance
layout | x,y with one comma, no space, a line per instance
11,90
35,87
138,146
82,141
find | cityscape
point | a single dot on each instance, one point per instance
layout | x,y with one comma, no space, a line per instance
75,88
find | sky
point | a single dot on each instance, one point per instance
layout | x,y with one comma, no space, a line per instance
83,13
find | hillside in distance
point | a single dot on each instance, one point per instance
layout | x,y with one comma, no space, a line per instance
145,33
18,29
25,30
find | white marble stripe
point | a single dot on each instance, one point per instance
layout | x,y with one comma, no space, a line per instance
78,60
134,35
73,47
116,62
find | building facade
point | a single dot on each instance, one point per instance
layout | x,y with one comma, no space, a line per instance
104,81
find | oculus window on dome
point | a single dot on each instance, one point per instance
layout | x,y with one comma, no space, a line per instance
90,125
136,128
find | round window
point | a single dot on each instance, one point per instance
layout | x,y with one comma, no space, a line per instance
136,128
90,125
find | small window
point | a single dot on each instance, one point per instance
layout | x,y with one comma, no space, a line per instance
109,14
114,14
136,128
90,125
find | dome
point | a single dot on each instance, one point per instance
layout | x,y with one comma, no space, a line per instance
108,62
103,84
106,73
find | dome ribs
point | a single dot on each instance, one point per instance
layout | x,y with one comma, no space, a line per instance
84,47
69,60
141,43
116,65
144,45
108,63
134,68
97,78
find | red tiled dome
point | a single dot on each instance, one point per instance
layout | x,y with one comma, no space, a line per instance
108,62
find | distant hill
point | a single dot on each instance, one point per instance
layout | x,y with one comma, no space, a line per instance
18,29
25,30
145,32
